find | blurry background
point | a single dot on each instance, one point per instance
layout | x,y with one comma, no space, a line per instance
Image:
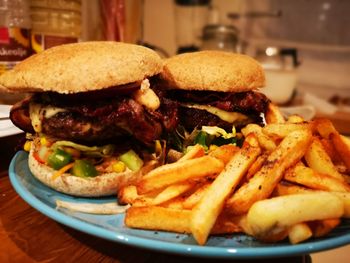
304,45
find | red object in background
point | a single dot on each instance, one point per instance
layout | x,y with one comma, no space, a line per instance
4,35
113,19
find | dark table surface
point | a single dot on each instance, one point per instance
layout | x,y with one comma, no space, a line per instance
26,235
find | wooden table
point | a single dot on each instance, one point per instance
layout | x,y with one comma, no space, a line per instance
26,235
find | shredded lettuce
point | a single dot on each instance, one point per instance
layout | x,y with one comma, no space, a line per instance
97,151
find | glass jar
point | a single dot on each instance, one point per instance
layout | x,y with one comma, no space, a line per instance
220,37
55,23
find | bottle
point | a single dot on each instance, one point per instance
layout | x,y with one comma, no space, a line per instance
15,25
54,23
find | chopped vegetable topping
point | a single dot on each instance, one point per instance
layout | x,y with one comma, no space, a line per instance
131,160
58,159
83,168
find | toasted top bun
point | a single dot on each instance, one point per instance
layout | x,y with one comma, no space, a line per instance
82,67
213,71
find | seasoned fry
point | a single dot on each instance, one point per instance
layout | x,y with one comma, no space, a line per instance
172,191
194,198
299,232
286,211
127,194
210,206
174,220
260,186
158,218
295,119
264,141
279,131
195,152
323,227
168,174
317,159
314,180
341,143
274,115
256,166
224,153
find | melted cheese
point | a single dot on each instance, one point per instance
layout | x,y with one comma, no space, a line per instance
37,112
227,116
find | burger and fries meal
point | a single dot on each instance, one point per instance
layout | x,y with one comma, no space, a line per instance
188,143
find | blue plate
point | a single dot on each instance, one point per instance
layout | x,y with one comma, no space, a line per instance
111,227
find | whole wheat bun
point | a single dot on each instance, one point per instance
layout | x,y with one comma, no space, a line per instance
101,185
213,71
82,67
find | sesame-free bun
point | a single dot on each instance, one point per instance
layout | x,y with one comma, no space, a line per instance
213,71
82,67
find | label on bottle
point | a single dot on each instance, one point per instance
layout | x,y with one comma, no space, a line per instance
14,46
41,42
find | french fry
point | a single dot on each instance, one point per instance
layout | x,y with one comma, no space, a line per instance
224,153
195,197
286,211
279,131
264,141
158,218
174,220
260,186
341,143
173,173
172,191
331,151
127,194
205,213
274,115
256,166
299,232
323,227
317,159
308,177
195,152
284,189
295,119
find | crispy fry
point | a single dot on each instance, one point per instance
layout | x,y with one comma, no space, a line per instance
323,227
224,152
172,191
295,119
127,194
274,115
264,141
158,218
288,189
279,131
286,211
195,152
331,151
317,159
210,206
194,198
341,143
314,180
299,232
226,224
256,166
260,186
168,174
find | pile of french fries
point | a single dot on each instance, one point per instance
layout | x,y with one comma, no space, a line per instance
290,179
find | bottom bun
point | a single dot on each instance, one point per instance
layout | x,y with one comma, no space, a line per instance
101,185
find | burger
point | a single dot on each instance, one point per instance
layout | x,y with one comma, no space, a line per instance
216,93
91,117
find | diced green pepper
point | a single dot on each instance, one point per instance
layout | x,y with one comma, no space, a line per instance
201,139
131,160
58,159
83,168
